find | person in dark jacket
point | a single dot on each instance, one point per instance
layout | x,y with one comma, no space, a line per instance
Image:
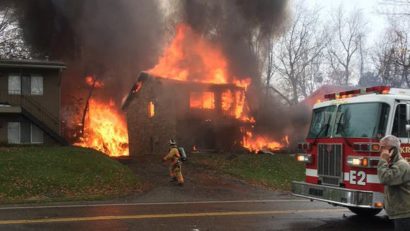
394,172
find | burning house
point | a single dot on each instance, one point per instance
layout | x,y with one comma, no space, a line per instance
202,116
191,96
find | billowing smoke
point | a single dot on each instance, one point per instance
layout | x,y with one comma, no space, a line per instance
239,25
112,40
244,29
123,37
116,39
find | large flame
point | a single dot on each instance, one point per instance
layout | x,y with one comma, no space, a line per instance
202,100
191,57
105,129
256,143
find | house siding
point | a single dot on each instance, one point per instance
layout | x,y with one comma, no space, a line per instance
6,118
51,87
45,108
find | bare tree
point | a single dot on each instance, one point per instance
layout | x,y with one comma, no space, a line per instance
269,72
297,54
11,42
392,57
395,8
348,31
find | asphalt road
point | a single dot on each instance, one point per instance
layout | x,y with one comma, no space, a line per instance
273,214
208,201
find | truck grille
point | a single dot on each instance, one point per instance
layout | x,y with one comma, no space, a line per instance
330,163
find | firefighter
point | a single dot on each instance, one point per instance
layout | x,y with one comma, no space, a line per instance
173,157
394,172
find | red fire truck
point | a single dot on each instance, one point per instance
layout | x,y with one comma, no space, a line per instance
341,150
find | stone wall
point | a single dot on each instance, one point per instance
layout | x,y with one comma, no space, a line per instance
151,135
175,119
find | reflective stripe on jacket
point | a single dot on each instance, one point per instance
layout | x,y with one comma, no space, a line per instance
173,155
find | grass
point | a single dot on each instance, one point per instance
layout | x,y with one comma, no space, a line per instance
61,174
274,171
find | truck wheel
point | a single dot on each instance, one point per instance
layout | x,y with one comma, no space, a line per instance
367,212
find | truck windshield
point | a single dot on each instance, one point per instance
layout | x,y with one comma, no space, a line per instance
319,126
362,120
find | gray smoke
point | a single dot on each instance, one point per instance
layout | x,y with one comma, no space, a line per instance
236,24
244,27
116,39
113,40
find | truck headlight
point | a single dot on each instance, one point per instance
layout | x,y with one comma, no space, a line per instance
361,161
305,158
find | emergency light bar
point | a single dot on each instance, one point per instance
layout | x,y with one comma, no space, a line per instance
351,93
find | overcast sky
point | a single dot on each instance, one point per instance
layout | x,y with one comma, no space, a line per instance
370,8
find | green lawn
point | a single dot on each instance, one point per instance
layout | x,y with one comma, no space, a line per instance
61,174
274,171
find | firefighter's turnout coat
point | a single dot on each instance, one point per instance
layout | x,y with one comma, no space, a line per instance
396,178
175,167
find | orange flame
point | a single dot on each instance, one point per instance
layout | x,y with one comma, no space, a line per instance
227,100
202,100
258,143
91,81
105,129
151,109
191,57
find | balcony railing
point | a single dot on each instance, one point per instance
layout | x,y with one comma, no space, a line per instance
33,107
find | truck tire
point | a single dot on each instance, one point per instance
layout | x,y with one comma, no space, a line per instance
366,212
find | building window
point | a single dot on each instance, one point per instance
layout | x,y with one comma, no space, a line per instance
13,132
151,109
202,100
24,133
25,84
14,85
37,85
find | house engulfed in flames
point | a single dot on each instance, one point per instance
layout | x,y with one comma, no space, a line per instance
202,116
191,96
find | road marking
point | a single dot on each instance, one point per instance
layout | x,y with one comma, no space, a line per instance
151,203
153,216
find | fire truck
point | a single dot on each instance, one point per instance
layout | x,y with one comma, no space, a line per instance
342,150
